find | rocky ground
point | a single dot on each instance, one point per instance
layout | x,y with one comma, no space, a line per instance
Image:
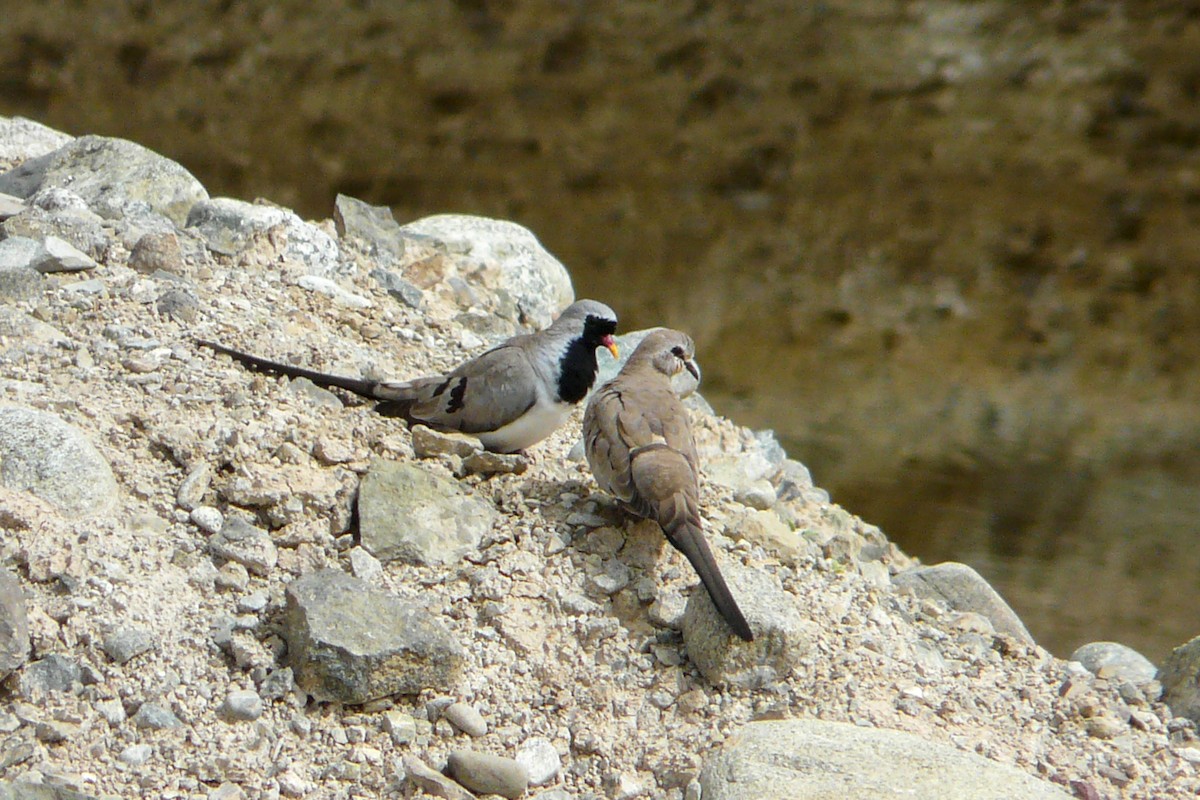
224,584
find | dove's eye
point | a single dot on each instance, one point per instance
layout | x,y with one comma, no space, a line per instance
678,352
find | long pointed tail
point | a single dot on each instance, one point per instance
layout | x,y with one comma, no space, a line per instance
358,386
689,540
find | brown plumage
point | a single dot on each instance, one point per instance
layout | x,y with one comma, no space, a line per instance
639,445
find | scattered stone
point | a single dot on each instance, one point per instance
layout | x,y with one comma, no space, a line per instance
410,514
1180,679
398,288
336,293
400,726
782,636
760,495
488,774
963,589
372,228
155,717
1104,727
252,603
781,760
43,455
513,261
232,576
57,255
14,624
53,731
1115,662
365,566
614,578
485,462
230,226
242,706
349,643
246,544
540,759
111,175
333,451
10,206
193,488
54,673
766,529
431,781
113,711
428,443
18,280
178,303
22,139
227,791
466,719
156,252
136,754
125,644
207,519
278,684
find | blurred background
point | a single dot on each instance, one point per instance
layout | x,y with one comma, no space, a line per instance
949,251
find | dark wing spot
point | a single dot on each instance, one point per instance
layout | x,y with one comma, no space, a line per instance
456,395
441,388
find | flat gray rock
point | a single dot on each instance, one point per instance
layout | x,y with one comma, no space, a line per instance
245,544
43,455
350,643
790,759
488,774
22,138
23,790
1180,678
782,636
14,624
229,226
433,782
373,229
156,718
963,589
59,255
413,515
512,258
54,673
1114,661
125,644
84,230
111,175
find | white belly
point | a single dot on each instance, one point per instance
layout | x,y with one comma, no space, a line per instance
543,419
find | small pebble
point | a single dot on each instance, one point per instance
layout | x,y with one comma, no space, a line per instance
207,519
485,773
540,759
155,717
125,644
466,719
243,705
402,727
136,754
252,603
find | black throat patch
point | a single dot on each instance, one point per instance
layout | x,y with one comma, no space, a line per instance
577,369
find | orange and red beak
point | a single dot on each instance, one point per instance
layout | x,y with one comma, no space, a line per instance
611,343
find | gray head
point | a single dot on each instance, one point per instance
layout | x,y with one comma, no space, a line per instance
667,351
594,322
